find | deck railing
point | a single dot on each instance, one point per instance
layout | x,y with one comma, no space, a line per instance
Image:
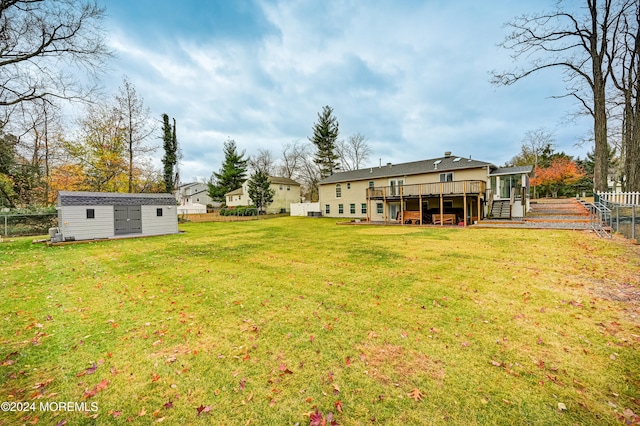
428,189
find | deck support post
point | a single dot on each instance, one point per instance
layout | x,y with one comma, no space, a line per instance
441,207
464,202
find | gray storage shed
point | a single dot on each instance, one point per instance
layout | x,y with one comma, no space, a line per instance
94,215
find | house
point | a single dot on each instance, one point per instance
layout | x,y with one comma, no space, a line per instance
95,215
439,190
194,198
286,191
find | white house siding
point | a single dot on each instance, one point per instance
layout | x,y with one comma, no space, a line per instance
73,222
283,197
152,224
351,193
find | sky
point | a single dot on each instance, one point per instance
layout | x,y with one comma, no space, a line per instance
413,77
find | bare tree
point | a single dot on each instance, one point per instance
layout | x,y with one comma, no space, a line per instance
137,123
577,44
42,41
624,66
39,145
263,162
310,175
353,152
293,157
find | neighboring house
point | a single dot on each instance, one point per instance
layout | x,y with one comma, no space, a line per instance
96,215
286,191
193,198
194,193
440,190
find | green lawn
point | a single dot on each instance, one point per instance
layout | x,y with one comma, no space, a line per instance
265,322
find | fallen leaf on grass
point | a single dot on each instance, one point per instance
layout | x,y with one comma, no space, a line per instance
202,409
316,418
142,412
284,369
155,377
415,394
338,405
168,405
561,406
100,386
89,370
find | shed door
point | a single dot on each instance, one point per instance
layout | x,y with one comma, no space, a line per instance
127,220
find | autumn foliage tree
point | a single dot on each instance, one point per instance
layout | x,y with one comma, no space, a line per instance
562,172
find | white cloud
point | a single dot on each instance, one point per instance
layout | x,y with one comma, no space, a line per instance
411,76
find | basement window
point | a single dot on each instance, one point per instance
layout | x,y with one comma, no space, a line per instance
91,213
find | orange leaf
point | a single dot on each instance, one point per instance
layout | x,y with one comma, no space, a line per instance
416,395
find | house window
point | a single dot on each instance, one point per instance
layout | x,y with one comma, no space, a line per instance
280,187
363,208
371,184
447,204
91,214
288,187
340,208
338,191
352,208
348,185
327,208
159,212
230,198
446,177
379,208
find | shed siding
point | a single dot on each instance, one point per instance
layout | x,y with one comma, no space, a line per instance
73,222
152,224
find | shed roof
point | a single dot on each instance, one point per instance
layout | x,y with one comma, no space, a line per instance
84,198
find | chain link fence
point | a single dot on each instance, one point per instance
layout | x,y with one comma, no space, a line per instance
14,225
626,220
623,218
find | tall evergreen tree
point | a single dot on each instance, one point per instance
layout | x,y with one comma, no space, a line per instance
325,134
260,191
232,174
170,159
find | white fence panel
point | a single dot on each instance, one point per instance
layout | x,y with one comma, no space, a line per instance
302,209
625,198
